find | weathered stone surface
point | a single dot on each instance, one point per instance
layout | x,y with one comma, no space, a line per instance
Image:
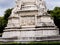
29,19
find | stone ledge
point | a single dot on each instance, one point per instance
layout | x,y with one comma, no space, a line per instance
30,29
35,39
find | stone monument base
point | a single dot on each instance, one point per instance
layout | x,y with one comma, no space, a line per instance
31,34
28,22
36,39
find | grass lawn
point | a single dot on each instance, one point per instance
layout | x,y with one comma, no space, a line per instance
33,43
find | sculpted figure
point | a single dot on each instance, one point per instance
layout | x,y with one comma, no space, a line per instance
18,6
41,7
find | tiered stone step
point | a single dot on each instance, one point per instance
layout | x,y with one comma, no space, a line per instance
36,39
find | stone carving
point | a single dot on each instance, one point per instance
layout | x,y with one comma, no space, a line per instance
18,4
29,20
41,7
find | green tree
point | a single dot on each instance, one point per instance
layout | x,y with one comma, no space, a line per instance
4,20
1,24
6,15
55,13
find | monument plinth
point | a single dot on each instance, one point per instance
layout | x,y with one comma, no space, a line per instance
29,21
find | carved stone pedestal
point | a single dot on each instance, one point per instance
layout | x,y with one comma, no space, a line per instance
29,21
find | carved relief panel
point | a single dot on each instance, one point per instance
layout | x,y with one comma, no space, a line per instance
27,20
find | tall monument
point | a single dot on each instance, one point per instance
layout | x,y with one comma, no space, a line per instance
29,21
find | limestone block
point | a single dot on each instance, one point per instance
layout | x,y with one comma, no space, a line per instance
42,33
27,33
11,34
50,32
46,19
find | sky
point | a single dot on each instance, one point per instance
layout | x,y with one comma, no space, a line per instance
6,4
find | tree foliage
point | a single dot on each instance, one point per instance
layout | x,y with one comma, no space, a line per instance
4,20
1,27
55,13
7,13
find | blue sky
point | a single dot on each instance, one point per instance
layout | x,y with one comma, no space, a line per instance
5,4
